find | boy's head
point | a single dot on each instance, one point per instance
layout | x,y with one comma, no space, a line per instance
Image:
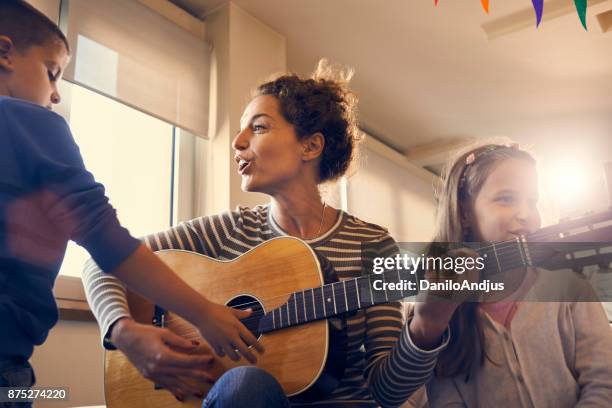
33,54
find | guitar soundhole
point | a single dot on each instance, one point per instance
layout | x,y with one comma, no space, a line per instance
243,302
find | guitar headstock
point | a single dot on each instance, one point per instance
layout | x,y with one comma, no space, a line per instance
575,243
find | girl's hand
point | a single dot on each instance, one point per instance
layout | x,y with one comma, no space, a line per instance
455,297
434,308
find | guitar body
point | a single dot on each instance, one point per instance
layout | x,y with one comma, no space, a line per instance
295,356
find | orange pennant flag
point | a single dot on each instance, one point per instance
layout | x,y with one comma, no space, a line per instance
485,5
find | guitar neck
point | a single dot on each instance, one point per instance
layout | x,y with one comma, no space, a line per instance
392,285
550,247
333,299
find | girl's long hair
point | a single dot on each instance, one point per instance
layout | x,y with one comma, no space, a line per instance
462,180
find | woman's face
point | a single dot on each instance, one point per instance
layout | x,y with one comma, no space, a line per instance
506,204
267,149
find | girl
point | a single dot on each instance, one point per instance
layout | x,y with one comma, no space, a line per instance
511,353
294,135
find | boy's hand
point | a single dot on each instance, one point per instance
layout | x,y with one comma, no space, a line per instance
226,334
219,325
177,364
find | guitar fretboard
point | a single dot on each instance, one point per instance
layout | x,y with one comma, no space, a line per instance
353,294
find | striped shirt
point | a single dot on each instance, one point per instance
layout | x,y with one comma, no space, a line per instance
383,365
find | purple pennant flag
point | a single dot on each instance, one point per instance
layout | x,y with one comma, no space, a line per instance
538,6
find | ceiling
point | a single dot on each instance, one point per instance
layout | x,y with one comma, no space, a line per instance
428,75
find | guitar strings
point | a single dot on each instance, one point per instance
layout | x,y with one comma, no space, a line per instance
499,249
318,296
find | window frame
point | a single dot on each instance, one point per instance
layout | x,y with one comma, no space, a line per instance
68,290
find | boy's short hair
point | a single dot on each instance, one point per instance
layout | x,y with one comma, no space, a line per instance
27,26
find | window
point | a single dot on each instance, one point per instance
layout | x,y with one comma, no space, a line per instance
131,154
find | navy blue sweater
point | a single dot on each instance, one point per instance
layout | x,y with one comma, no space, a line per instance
47,198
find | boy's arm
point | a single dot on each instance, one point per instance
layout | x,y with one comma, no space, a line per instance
159,354
106,294
78,209
147,275
74,204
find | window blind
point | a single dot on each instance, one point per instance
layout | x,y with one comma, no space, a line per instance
126,51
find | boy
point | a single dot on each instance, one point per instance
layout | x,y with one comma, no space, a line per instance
47,197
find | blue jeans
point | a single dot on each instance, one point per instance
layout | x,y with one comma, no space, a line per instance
16,372
246,386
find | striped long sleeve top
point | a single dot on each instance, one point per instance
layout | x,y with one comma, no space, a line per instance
383,365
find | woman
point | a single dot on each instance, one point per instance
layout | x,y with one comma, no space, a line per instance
513,352
294,135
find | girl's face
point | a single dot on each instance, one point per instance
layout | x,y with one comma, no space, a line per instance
505,206
267,148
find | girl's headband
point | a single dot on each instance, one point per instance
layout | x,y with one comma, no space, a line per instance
474,156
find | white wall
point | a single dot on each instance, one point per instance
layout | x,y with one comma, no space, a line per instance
256,52
245,52
71,357
389,191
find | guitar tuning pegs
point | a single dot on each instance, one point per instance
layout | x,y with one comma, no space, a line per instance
603,268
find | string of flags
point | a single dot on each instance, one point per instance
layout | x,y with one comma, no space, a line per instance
538,6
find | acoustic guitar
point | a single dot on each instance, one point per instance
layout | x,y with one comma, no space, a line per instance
282,281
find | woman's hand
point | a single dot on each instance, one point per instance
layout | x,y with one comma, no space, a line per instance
162,356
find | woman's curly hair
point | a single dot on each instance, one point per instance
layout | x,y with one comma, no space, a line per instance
324,104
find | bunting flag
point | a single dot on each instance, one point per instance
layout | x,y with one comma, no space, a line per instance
581,6
485,5
538,6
